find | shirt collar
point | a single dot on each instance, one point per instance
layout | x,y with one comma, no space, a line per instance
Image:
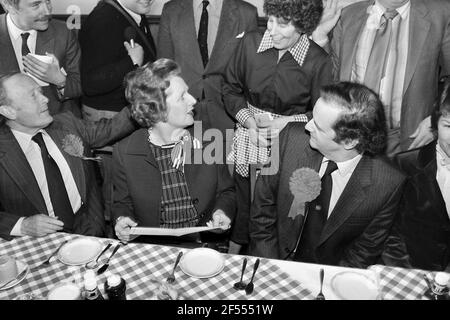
24,139
442,159
298,51
378,10
346,167
136,17
14,30
213,4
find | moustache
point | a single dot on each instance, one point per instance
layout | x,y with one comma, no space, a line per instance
44,19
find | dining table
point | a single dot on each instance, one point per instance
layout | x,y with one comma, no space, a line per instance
139,264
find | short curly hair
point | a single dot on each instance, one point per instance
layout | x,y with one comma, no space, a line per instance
363,118
442,106
304,14
145,90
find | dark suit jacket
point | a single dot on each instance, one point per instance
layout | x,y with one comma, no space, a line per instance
20,195
105,61
429,50
355,232
177,40
63,43
137,184
424,223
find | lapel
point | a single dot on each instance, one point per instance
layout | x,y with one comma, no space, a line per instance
8,56
45,41
352,33
57,133
352,196
227,23
14,162
428,182
418,32
186,28
138,146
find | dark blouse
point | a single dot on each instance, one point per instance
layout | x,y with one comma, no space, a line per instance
282,87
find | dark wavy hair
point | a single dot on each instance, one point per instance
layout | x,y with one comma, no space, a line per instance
441,106
304,14
145,90
363,118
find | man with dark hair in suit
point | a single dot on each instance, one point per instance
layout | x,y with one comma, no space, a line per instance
47,178
398,48
348,222
201,37
27,28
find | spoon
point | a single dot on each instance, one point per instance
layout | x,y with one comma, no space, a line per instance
106,265
241,285
94,264
320,296
250,286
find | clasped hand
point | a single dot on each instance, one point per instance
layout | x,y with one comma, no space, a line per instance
48,72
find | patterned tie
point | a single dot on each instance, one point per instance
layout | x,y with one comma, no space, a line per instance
384,40
203,34
25,49
56,187
316,219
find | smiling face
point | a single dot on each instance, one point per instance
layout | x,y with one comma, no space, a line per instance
31,14
321,130
283,33
180,104
444,133
28,110
138,6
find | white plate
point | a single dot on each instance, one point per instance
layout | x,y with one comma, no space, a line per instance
79,251
349,285
202,263
20,267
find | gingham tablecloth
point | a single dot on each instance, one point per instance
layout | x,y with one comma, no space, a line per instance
139,264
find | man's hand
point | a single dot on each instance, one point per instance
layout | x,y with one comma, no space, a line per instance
219,220
123,228
40,225
423,134
273,125
48,72
136,54
330,16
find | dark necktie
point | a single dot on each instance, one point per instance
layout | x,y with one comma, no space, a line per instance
316,219
25,49
203,34
56,187
376,66
146,30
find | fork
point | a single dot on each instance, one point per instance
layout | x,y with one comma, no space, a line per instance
321,296
171,278
47,262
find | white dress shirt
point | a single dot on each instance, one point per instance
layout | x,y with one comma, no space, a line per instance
214,10
364,48
16,40
33,154
443,176
340,178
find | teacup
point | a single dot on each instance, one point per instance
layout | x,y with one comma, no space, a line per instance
8,269
64,291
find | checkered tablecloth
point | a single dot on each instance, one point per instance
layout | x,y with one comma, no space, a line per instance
139,265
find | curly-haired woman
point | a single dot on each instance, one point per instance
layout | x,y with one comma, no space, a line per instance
272,79
159,180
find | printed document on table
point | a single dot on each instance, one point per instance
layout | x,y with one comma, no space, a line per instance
168,232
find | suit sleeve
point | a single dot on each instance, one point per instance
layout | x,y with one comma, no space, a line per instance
72,67
335,47
165,45
7,223
366,249
322,76
445,51
122,204
226,193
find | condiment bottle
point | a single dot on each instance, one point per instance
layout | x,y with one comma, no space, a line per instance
90,286
440,286
115,288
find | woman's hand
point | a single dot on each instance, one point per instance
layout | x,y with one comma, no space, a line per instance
219,220
273,125
123,229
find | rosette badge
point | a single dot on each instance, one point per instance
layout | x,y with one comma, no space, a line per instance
305,185
73,145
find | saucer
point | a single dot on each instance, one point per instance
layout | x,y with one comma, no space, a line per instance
202,263
21,266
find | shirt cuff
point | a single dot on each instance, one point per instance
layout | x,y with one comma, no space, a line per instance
243,115
300,118
16,231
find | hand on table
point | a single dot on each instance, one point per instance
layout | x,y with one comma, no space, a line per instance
219,219
40,225
123,229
